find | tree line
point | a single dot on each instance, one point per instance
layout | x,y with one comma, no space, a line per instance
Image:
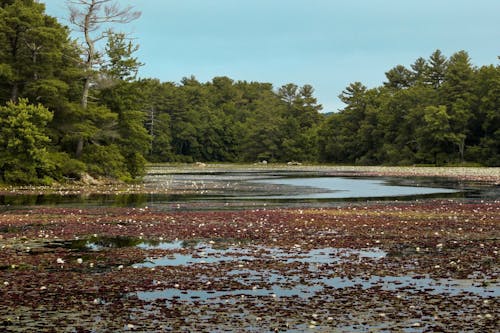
439,111
74,106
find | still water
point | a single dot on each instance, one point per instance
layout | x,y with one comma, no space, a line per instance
274,282
249,189
341,187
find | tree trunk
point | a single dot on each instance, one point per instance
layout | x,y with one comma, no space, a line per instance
84,105
88,72
14,94
85,93
461,149
79,147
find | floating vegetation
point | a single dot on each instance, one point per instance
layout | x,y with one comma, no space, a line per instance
414,266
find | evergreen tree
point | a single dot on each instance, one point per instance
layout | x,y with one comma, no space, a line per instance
436,69
457,93
24,158
399,78
31,47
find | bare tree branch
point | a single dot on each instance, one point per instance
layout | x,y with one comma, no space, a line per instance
91,18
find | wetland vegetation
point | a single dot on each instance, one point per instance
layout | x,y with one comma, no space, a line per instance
219,264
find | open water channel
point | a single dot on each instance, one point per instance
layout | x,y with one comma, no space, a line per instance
217,190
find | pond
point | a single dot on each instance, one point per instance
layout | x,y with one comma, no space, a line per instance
217,190
187,261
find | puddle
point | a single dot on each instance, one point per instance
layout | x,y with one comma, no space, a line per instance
304,282
215,296
452,287
205,253
283,286
99,243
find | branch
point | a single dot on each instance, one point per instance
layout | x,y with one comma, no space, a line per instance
97,12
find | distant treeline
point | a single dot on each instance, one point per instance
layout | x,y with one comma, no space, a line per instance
439,111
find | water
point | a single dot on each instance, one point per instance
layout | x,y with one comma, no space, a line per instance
203,253
341,187
303,282
267,282
404,284
250,189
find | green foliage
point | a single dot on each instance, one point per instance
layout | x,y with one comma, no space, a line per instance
23,143
442,111
31,46
125,104
63,167
106,161
121,65
104,121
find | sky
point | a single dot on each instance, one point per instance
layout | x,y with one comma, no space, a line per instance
325,43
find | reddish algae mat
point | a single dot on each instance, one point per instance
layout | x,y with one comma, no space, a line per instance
426,265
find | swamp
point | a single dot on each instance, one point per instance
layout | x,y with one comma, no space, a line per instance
255,248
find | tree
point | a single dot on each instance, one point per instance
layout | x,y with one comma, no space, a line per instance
399,115
308,112
288,94
457,93
23,143
126,100
436,69
261,133
299,124
31,47
159,99
399,77
338,136
420,70
484,135
91,17
121,64
435,134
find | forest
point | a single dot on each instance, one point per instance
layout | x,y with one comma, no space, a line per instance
70,107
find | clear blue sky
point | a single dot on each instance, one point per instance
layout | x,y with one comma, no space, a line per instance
325,43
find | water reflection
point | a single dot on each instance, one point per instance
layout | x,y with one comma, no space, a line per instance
99,243
275,283
269,280
408,283
340,187
203,253
243,190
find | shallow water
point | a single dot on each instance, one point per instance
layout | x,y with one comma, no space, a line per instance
204,253
404,284
278,284
250,189
341,187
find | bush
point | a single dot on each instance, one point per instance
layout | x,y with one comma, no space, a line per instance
63,166
23,140
105,161
136,165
